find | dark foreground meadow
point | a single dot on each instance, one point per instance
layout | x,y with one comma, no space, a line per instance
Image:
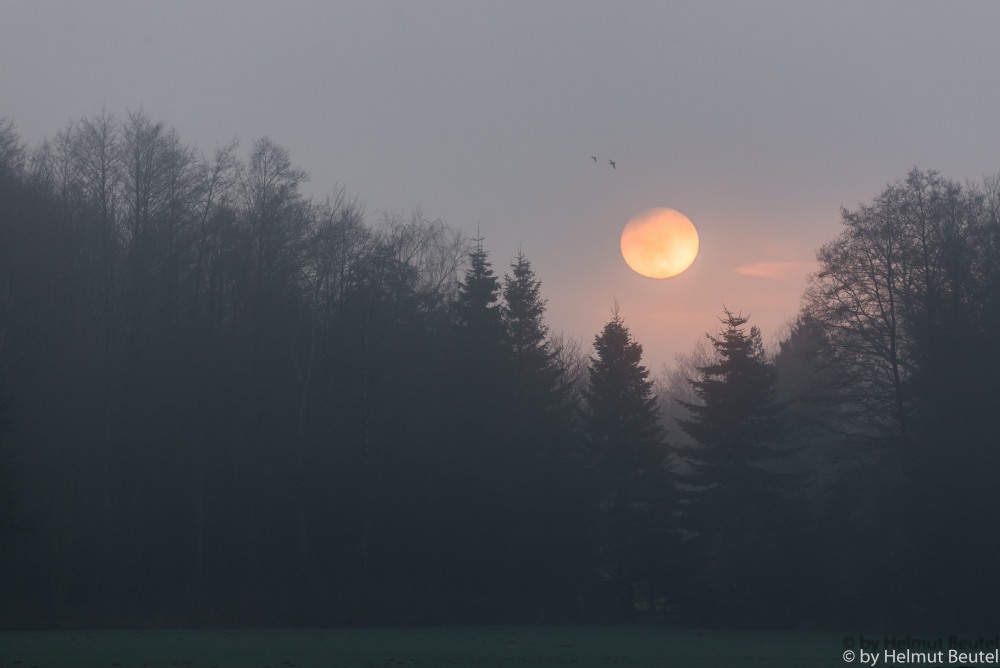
527,647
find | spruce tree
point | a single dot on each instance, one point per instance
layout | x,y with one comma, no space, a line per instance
736,485
477,462
547,489
628,448
523,311
537,377
476,305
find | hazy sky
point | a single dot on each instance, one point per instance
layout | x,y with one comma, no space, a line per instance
757,120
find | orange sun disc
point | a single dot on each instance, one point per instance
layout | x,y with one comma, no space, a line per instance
659,243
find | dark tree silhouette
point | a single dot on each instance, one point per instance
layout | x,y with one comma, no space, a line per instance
234,404
523,312
628,446
7,493
477,533
549,499
477,303
735,487
230,404
907,298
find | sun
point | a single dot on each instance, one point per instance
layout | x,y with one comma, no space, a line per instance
659,243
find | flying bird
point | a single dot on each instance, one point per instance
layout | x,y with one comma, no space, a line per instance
594,158
612,163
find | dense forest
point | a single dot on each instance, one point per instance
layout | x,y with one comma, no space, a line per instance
224,402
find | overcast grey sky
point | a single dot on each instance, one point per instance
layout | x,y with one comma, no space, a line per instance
758,120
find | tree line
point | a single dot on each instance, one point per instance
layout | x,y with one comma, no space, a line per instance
224,402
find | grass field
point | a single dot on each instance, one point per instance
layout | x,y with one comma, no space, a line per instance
582,647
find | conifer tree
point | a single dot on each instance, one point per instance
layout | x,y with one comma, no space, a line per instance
537,377
547,489
629,451
736,487
523,312
477,462
477,303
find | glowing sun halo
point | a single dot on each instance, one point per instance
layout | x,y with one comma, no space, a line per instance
659,243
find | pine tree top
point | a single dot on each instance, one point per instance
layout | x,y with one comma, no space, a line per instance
479,291
620,393
740,417
524,308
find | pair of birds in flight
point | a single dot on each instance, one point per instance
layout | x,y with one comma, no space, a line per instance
610,162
